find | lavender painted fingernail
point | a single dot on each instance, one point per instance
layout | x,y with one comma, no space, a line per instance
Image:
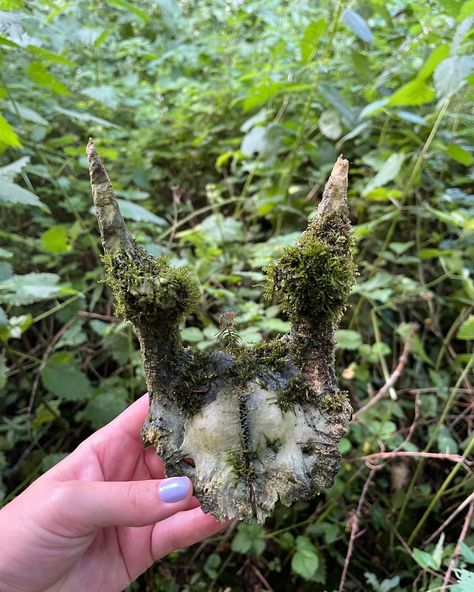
174,489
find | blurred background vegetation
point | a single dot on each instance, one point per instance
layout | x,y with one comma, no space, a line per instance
219,122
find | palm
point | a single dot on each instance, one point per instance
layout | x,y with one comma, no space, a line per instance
73,555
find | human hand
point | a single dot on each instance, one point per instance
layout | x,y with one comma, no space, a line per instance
99,518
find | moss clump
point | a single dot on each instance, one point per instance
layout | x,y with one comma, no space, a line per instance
297,390
242,465
313,279
334,402
272,354
143,284
195,378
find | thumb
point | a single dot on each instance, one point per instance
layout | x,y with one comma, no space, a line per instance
98,504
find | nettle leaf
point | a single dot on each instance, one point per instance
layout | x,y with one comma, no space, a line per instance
347,339
50,56
451,73
330,124
10,171
358,25
130,8
466,581
387,172
16,195
466,330
467,553
32,287
311,37
8,135
38,73
415,92
83,117
103,94
463,29
103,408
27,113
63,377
133,211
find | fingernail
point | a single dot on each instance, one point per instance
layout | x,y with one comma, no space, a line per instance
174,489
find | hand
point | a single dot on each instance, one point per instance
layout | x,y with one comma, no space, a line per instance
99,518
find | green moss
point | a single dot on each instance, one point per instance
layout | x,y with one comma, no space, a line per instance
297,390
143,284
242,465
313,279
195,378
334,402
273,354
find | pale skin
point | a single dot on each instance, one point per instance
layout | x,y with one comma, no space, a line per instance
95,521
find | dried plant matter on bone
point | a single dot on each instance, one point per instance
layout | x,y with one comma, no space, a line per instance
249,425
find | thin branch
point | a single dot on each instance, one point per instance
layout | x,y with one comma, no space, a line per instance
457,549
466,502
456,458
354,530
392,380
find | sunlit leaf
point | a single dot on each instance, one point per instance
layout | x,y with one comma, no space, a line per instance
311,37
415,92
358,25
39,74
8,135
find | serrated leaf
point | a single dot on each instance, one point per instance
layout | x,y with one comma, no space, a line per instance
311,36
387,172
14,194
451,73
27,113
103,408
8,136
39,74
415,92
83,117
358,25
466,330
133,211
463,29
330,124
130,8
10,171
32,287
104,94
305,561
50,56
63,377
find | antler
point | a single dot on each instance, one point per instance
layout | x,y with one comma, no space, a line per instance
251,425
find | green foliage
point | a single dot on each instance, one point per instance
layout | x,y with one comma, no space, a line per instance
219,123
